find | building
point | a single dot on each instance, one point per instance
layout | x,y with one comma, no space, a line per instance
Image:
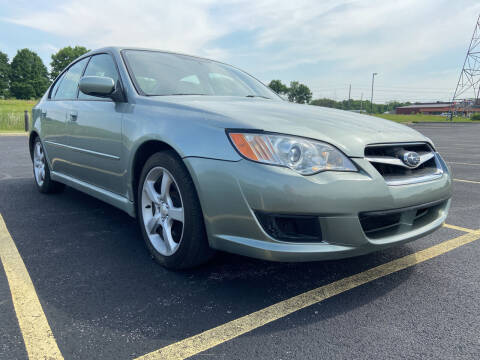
437,108
424,108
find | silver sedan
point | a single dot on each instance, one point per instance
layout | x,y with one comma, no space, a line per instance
207,157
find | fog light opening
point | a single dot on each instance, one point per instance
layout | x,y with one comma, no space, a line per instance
292,228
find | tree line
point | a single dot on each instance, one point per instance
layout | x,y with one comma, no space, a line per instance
301,94
27,77
359,105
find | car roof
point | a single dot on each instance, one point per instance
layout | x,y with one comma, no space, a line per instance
118,49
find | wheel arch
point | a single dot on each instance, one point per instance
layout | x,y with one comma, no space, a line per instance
31,140
142,153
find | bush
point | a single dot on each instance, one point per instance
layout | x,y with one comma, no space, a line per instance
475,117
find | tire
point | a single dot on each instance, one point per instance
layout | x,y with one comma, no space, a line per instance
169,213
41,171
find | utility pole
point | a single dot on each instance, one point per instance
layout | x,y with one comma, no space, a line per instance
371,99
361,102
349,92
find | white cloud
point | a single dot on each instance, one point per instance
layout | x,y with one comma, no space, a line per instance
184,26
359,33
356,36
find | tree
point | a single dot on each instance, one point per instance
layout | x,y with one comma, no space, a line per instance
4,74
299,93
278,87
28,75
23,90
63,57
324,102
358,105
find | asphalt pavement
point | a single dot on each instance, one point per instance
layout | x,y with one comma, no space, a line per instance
105,298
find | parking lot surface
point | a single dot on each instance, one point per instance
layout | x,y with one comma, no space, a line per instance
99,295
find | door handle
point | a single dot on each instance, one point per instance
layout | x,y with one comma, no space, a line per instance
73,115
44,114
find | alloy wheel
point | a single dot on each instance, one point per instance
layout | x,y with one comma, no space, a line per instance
39,163
162,211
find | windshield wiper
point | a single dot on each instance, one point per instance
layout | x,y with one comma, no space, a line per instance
173,94
259,96
186,94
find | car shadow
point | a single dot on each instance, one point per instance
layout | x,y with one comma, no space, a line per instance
91,270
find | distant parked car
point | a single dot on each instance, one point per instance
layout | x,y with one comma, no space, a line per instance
207,157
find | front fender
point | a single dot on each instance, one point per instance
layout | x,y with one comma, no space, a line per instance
187,132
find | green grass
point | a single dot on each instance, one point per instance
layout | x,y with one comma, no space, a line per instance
12,114
422,118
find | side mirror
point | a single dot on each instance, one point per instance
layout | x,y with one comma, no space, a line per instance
97,86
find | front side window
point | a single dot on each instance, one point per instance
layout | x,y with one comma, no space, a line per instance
100,65
55,87
158,74
68,84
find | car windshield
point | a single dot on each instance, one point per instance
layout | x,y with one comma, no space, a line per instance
159,74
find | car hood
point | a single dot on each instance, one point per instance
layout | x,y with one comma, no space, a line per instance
348,131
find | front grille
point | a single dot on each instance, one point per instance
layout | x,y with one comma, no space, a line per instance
390,149
387,160
378,224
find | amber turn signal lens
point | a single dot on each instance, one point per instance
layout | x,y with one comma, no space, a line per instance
243,146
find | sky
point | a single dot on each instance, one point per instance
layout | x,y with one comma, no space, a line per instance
417,47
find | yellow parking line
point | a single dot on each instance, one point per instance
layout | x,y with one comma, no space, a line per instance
220,334
462,163
455,227
37,335
467,181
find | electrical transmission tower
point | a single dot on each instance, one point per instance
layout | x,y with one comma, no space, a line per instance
467,92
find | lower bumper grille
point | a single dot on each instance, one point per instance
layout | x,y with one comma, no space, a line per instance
377,224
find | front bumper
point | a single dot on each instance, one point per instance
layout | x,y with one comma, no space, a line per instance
230,193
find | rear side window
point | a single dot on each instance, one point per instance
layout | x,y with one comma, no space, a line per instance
68,87
100,65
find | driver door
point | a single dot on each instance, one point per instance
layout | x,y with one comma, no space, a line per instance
94,133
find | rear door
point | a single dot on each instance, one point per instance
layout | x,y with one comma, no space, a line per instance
94,132
55,115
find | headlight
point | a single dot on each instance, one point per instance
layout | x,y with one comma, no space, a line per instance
305,156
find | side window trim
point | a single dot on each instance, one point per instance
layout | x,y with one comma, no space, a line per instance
58,81
81,75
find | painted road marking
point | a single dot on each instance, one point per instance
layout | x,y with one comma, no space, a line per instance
40,342
467,181
455,227
37,335
228,331
462,163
